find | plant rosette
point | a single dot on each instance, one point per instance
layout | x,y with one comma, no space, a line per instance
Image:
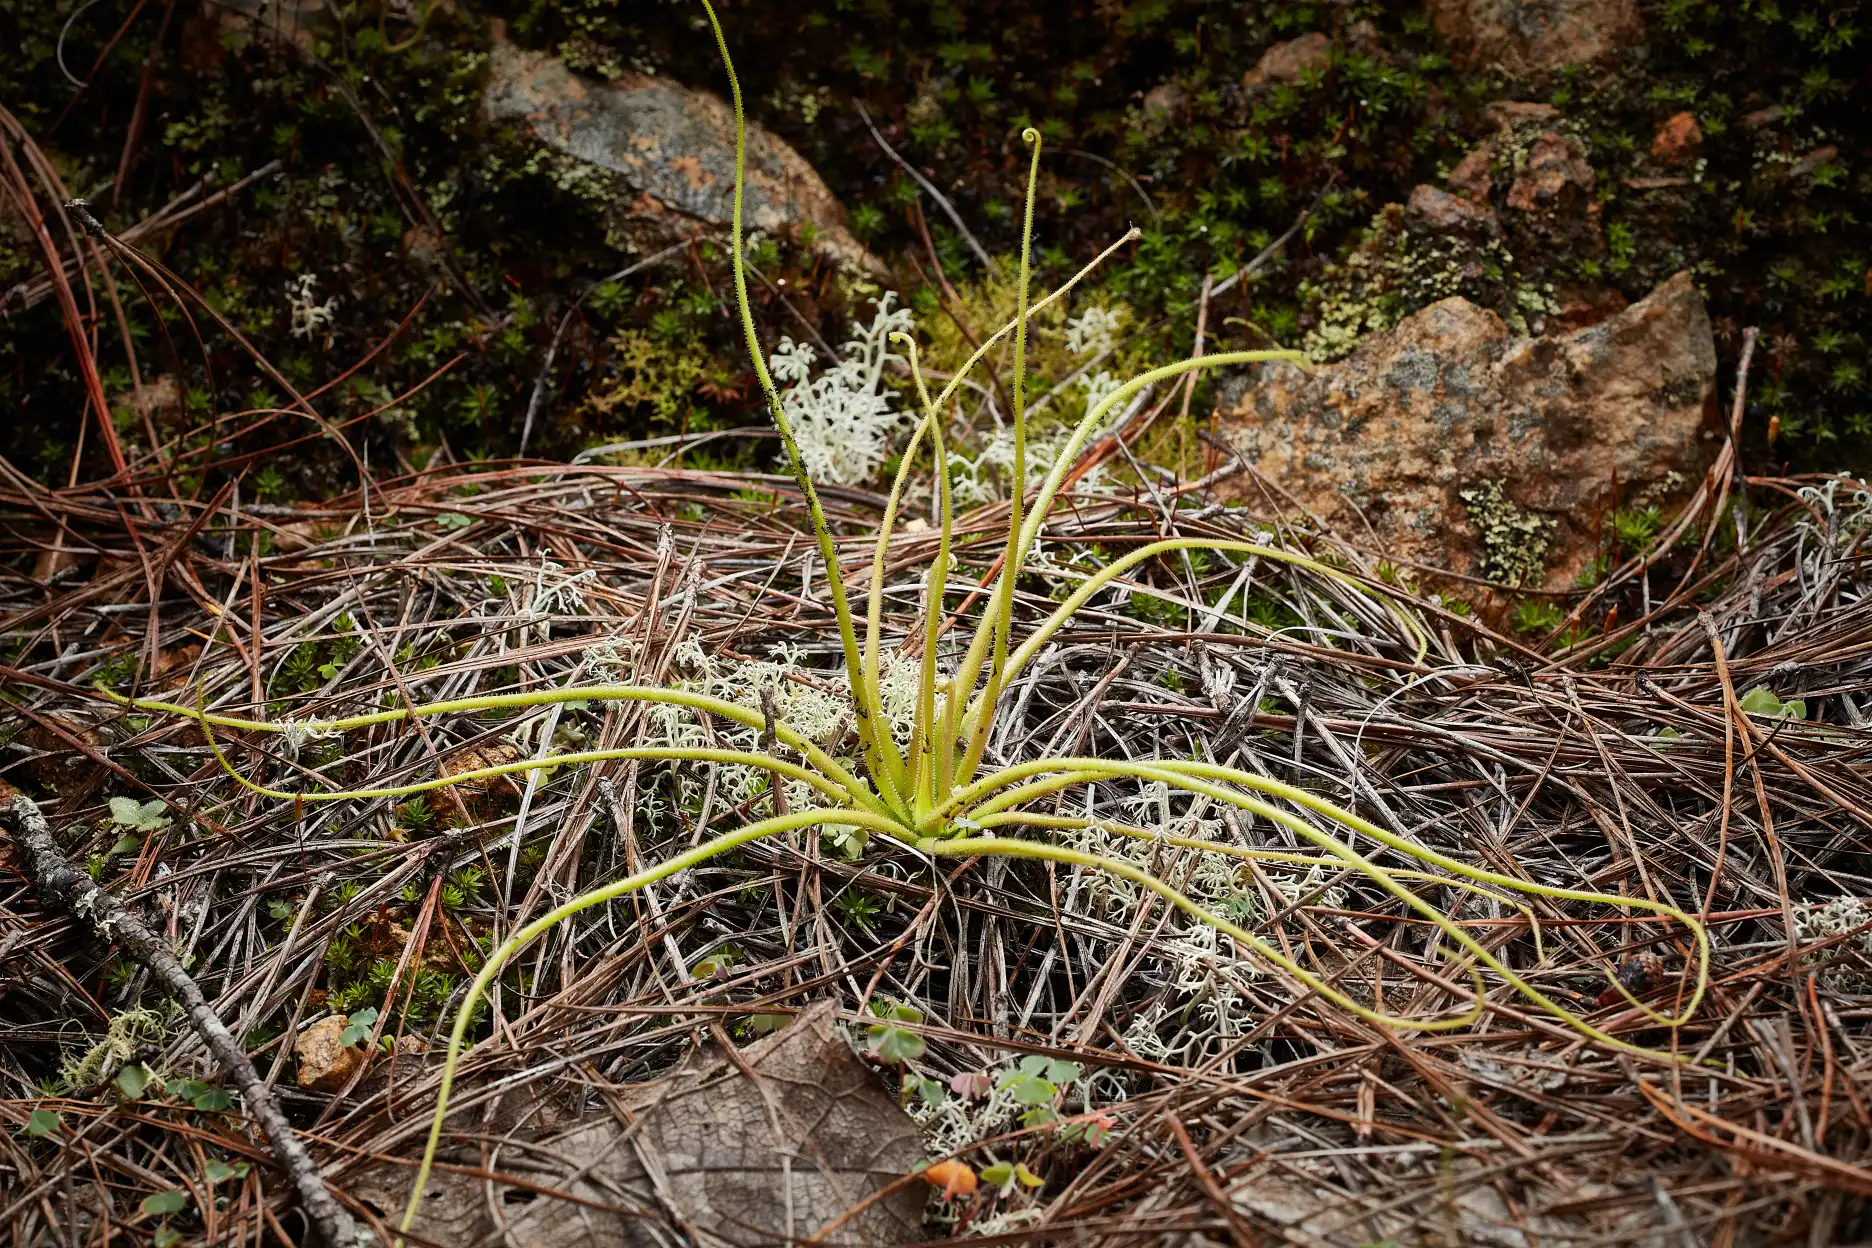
933,794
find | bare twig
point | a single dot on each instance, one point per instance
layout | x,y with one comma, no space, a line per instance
942,201
59,882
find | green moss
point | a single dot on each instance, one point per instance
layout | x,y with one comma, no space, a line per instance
1397,270
127,1032
1768,219
1534,615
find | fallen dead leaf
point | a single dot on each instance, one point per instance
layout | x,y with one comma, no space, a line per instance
954,1178
704,1155
474,799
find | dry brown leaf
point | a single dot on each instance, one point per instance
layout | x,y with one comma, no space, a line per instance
475,799
705,1156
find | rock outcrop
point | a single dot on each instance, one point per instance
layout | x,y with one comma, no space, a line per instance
671,147
1530,38
326,1062
1465,447
1441,212
1285,62
1678,139
1554,174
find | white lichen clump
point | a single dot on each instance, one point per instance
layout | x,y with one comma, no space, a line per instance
1815,922
309,316
1207,972
1092,334
843,418
1844,502
984,477
953,1123
811,701
1094,331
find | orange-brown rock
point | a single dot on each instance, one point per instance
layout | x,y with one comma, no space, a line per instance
1285,62
326,1064
1583,306
470,800
1470,178
1443,213
1677,139
1567,428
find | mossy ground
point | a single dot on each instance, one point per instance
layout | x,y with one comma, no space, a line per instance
1765,215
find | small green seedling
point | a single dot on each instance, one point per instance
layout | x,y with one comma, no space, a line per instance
204,1097
1004,1175
218,1171
929,1091
162,1204
358,1027
134,1079
1763,701
1036,1082
148,816
891,1043
42,1122
766,1024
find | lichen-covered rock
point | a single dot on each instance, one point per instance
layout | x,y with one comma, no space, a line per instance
326,1063
1285,62
1468,448
1519,124
1407,262
671,147
1470,178
1549,208
1536,37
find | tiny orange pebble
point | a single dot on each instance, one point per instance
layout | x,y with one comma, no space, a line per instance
954,1177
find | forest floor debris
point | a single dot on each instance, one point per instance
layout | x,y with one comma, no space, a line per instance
1700,734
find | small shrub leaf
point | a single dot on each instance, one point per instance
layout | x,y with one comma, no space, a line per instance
159,1204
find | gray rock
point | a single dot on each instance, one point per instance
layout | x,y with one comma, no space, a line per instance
672,149
1285,62
1444,213
1163,103
1536,37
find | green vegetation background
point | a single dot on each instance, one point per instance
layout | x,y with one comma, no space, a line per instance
1771,223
